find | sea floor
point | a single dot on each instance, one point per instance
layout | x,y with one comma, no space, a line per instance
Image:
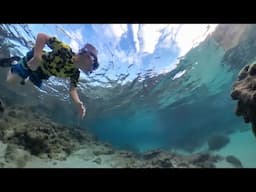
31,140
242,145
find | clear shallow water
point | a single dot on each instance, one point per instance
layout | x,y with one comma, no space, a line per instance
179,110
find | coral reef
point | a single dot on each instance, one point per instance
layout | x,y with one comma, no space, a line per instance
244,90
164,159
38,135
28,136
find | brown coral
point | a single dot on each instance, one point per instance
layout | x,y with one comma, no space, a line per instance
39,135
244,90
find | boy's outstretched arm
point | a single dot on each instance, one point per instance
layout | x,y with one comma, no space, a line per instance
41,41
77,101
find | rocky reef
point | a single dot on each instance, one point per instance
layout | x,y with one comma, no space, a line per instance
234,161
30,139
244,91
241,48
39,135
164,159
230,35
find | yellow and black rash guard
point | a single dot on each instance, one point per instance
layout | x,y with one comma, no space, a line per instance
59,62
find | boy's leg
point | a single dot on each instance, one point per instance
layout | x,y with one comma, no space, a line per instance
13,78
20,74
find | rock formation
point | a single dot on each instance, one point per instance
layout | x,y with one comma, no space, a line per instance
244,91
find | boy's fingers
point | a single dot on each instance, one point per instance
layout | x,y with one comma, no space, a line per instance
82,112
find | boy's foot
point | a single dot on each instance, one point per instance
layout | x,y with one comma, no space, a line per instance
7,62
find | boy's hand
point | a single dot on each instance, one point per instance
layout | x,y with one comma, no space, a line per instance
34,63
82,109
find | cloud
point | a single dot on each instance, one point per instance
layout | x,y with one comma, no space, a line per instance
169,34
175,36
108,37
148,36
75,36
76,41
118,30
191,35
135,29
74,45
110,32
124,57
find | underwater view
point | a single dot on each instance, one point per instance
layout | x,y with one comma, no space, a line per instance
127,95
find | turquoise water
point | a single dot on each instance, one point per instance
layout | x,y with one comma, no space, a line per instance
163,111
180,113
242,145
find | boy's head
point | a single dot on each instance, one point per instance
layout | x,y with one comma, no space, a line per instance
90,55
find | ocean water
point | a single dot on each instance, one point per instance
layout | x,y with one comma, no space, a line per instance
180,113
153,111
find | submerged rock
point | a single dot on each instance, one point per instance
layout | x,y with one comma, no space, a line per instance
216,142
15,155
1,106
244,91
234,161
39,135
103,151
151,154
164,159
158,159
243,43
203,160
97,160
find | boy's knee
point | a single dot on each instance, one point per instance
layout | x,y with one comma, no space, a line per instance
12,78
